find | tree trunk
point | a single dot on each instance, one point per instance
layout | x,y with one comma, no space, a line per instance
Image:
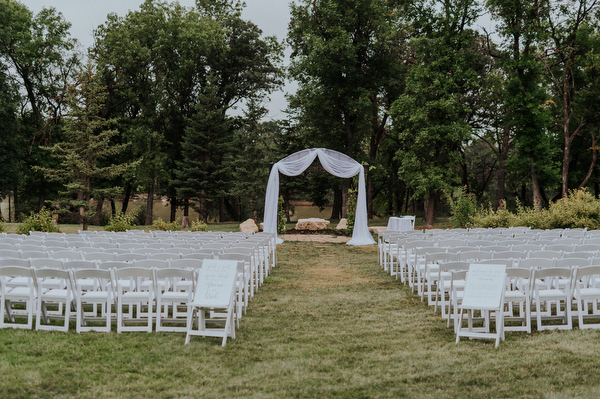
537,193
127,197
150,204
502,157
336,209
203,207
42,194
174,204
345,200
565,166
99,205
430,211
113,207
222,210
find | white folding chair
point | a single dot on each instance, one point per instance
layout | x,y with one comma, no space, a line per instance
586,295
517,292
61,297
23,292
135,297
179,295
99,294
551,289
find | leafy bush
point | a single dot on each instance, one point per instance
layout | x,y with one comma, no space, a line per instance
2,227
578,210
489,217
119,222
462,208
41,221
281,217
160,224
351,211
199,226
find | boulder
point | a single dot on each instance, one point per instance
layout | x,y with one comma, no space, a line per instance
342,225
312,224
249,226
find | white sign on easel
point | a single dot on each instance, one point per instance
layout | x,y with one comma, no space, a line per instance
216,282
484,290
484,286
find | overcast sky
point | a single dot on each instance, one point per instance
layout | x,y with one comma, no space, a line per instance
271,16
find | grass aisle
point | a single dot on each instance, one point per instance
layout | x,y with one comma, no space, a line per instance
327,323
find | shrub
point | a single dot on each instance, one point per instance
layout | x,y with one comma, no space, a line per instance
2,227
462,208
119,222
41,221
160,224
489,217
281,216
199,226
351,211
578,210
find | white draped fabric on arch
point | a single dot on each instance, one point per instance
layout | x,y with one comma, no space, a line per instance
334,162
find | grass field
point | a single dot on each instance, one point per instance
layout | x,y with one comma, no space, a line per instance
327,323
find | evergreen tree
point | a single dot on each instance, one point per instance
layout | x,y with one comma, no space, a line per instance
86,144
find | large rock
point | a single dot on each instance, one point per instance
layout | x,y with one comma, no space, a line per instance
342,225
312,224
249,226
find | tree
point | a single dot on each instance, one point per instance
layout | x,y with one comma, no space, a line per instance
166,58
569,32
431,118
523,28
87,142
347,58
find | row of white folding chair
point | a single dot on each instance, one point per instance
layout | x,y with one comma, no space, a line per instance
549,294
117,283
422,272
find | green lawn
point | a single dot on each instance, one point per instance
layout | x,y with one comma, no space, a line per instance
327,323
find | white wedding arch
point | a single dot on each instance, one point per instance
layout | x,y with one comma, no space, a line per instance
334,162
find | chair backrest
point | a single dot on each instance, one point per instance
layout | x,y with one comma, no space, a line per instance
536,263
151,263
40,263
186,263
546,254
548,277
572,262
475,255
198,256
440,257
10,253
129,257
510,254
79,264
113,265
66,255
15,262
100,256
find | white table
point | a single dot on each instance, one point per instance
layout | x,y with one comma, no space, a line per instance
400,224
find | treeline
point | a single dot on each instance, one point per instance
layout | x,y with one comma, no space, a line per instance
168,101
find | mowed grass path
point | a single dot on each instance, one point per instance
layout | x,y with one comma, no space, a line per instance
327,323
